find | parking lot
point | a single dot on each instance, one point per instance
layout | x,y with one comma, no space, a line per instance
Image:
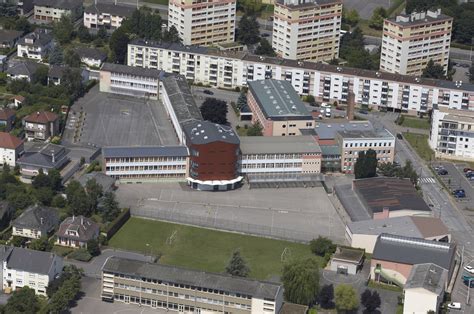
101,119
291,213
455,179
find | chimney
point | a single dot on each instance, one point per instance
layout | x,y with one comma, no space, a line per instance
350,106
82,220
52,156
42,220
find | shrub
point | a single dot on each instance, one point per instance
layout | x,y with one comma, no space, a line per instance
80,255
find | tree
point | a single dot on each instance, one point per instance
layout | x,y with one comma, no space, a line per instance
353,51
41,244
376,21
351,17
77,199
301,281
55,180
22,301
72,59
102,33
249,6
83,34
93,247
23,25
388,169
55,56
248,32
108,207
16,86
346,298
214,110
255,130
366,164
434,71
326,297
63,30
144,24
322,246
265,49
40,76
408,172
471,73
118,45
40,180
237,265
63,289
94,192
171,35
242,100
370,300
72,82
44,195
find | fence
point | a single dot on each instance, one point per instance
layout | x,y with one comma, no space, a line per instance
229,225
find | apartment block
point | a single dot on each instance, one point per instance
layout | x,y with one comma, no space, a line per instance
41,125
278,108
452,134
307,29
205,22
106,15
52,10
186,291
410,41
327,83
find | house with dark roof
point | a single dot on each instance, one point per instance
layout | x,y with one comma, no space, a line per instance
7,118
11,148
22,70
92,57
41,125
35,221
76,231
42,156
8,38
424,290
35,45
106,15
56,73
52,10
23,267
395,256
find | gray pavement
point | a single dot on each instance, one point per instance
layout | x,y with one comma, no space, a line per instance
367,7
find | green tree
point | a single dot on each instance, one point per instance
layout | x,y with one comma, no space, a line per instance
41,244
63,30
408,172
248,32
376,21
249,6
23,25
93,247
71,58
41,75
22,301
171,35
55,56
351,17
18,241
40,180
58,201
72,82
322,246
434,71
44,195
346,298
109,208
214,110
55,180
366,164
353,51
94,192
370,300
118,45
83,34
102,33
255,130
237,266
144,24
242,100
77,199
326,297
388,169
64,290
301,281
16,86
265,49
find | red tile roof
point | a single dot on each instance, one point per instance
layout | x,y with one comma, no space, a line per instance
9,141
6,113
19,98
42,117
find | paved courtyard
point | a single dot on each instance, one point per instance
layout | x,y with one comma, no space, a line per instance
366,8
296,214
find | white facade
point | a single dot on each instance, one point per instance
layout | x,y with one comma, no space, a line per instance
9,156
30,51
27,233
420,301
91,62
280,163
97,20
203,22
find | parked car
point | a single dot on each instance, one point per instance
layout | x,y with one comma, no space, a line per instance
363,112
400,136
469,269
438,167
467,169
454,306
442,172
208,92
459,193
469,174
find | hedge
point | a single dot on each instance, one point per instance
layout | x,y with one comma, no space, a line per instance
116,224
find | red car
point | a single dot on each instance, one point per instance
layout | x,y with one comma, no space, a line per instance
467,169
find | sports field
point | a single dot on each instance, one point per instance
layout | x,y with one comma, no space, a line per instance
205,249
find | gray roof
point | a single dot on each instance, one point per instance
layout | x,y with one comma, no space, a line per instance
181,98
170,46
41,37
328,130
112,9
31,261
411,251
62,4
145,151
278,144
327,150
365,134
40,156
91,53
427,276
107,182
7,35
203,132
418,18
27,68
38,217
135,71
278,99
254,288
57,71
85,228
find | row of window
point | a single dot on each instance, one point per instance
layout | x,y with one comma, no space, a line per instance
380,144
143,159
146,168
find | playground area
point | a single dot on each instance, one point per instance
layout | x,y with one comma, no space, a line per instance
206,249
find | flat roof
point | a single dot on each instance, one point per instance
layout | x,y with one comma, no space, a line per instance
328,130
419,18
392,193
428,276
145,151
135,71
365,134
110,8
222,282
278,99
203,132
278,144
347,254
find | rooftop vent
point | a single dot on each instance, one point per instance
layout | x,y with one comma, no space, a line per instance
205,137
339,69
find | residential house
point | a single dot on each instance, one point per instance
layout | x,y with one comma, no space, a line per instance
35,45
53,10
91,56
11,148
56,73
76,231
23,267
7,118
23,70
8,38
106,15
41,125
42,156
16,101
35,222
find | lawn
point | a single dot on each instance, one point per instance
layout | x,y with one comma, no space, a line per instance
420,143
416,123
364,27
205,249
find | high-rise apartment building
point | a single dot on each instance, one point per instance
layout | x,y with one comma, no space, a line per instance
203,22
411,41
307,29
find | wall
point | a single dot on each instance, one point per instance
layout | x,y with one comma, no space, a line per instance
397,271
216,161
420,301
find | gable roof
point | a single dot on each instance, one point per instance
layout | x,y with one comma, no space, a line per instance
38,217
107,182
7,35
61,4
112,9
40,37
6,113
41,117
31,261
91,53
26,68
85,228
428,276
9,141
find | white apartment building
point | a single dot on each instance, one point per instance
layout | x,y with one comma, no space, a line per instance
11,148
410,41
203,22
375,89
106,15
23,267
307,29
452,134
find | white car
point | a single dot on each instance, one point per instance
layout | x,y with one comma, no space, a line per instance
469,269
454,306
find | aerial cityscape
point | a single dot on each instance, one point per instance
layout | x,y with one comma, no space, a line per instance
237,156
